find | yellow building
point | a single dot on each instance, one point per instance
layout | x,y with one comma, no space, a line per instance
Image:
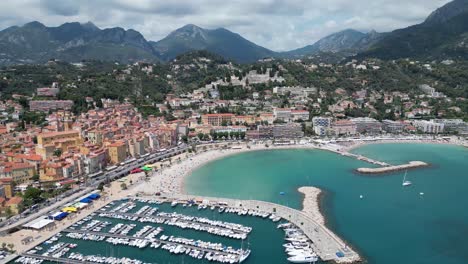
117,152
7,184
14,203
51,172
217,119
19,172
47,143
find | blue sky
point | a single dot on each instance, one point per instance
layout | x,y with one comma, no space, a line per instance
275,24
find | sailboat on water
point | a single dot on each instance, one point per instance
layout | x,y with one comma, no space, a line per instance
405,181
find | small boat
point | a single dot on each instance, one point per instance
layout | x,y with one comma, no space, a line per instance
285,225
303,258
244,255
405,181
299,252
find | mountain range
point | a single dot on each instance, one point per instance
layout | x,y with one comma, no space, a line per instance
443,33
35,42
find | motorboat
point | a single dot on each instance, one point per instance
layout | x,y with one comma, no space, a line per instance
308,258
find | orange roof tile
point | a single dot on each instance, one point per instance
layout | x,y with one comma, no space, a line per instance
14,200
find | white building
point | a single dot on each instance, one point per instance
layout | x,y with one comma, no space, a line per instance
452,125
429,126
282,114
321,125
300,115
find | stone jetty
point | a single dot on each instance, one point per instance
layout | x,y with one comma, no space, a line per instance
410,165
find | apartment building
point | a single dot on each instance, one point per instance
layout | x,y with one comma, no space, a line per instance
117,152
366,125
321,125
344,128
218,119
47,143
429,126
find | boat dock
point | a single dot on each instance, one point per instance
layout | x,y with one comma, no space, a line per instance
384,167
147,239
327,245
410,165
366,159
137,217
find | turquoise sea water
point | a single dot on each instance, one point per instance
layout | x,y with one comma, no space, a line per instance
391,224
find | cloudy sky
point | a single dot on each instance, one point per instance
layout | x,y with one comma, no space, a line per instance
275,24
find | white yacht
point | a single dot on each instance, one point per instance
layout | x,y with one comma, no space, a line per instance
405,181
309,258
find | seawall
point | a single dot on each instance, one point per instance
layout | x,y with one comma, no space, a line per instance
410,165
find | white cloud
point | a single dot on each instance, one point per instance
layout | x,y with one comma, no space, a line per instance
275,24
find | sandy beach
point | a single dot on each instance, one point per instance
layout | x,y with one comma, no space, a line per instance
170,179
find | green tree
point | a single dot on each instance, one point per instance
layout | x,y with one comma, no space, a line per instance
200,136
57,152
8,211
35,177
32,196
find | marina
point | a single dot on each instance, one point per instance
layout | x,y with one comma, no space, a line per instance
141,223
324,243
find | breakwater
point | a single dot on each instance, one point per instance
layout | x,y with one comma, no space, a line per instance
410,165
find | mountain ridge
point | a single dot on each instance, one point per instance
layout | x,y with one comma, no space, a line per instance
220,40
444,33
348,40
441,35
73,41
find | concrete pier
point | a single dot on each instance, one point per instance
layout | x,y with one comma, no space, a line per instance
325,243
410,165
55,260
142,238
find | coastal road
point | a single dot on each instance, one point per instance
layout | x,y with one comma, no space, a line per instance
18,221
